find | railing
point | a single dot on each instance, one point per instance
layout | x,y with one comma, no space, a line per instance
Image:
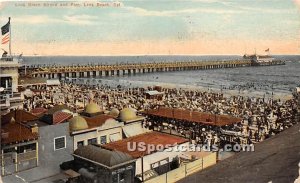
8,158
14,162
9,88
10,95
12,61
20,157
82,68
6,59
185,170
27,156
2,101
16,95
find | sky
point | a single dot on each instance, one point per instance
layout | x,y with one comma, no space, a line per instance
153,27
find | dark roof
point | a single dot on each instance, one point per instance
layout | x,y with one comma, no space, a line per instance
155,138
32,81
16,133
97,121
275,159
193,116
60,117
56,118
38,111
20,116
103,156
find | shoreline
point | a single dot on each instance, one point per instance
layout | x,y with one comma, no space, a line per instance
227,92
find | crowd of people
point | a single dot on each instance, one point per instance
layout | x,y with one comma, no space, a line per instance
261,117
250,86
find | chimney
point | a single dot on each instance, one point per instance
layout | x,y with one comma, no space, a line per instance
35,128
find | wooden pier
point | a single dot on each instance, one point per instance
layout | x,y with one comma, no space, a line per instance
79,71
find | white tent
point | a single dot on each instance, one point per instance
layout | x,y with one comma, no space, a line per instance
53,82
28,93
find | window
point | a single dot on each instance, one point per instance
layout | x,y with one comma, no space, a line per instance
9,150
26,148
159,163
80,143
6,82
103,139
115,137
59,143
92,141
154,165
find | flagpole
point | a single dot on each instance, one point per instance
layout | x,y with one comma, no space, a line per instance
9,37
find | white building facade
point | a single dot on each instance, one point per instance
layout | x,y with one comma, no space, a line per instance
9,96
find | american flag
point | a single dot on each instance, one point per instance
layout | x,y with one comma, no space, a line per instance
5,33
5,39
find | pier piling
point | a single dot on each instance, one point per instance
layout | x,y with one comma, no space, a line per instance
135,68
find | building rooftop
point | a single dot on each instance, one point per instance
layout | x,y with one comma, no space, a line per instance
38,111
274,160
9,62
129,115
20,116
108,158
114,112
96,121
194,116
79,123
14,133
92,108
32,81
59,108
60,117
56,118
154,138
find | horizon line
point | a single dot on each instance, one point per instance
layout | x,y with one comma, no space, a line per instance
158,55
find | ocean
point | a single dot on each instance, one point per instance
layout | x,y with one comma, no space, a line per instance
277,79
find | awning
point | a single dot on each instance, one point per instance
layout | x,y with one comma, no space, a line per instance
115,137
228,132
134,129
154,92
53,82
28,93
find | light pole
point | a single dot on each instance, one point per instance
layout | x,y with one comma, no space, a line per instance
272,96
